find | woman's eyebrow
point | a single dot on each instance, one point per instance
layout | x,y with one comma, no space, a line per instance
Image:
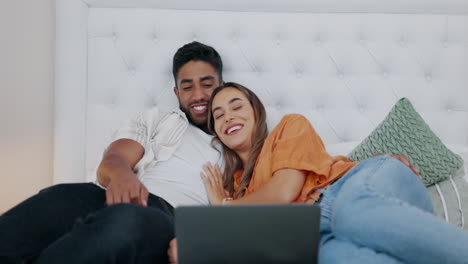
230,102
234,99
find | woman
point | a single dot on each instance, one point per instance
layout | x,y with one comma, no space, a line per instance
375,211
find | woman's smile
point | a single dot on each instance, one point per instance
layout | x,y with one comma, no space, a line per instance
233,129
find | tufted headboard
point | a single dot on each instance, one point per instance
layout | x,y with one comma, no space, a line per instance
343,64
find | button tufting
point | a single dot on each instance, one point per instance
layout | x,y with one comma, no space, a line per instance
385,74
402,43
449,110
114,37
341,76
299,74
428,77
278,106
446,44
318,42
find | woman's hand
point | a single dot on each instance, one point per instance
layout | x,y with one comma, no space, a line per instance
214,185
172,251
405,161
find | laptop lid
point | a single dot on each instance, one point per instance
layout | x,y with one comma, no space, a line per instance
248,234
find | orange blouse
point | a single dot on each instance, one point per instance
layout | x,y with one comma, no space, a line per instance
294,144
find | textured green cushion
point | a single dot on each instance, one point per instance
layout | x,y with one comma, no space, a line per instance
404,132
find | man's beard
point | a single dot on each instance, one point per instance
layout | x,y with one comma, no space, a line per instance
188,114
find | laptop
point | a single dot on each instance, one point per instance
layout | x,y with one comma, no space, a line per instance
248,234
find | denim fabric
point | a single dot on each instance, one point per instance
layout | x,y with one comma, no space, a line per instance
380,212
70,223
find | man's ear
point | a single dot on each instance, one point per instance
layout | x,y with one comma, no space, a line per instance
222,83
176,91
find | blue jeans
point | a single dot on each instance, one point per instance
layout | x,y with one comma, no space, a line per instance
70,223
380,212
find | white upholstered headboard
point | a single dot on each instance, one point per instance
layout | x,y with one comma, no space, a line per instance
343,64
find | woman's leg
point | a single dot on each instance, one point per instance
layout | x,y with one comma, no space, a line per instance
385,207
336,251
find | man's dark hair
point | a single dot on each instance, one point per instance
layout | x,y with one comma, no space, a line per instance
196,51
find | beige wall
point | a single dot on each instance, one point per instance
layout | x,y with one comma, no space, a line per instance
26,98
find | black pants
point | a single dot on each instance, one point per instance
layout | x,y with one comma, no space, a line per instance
70,223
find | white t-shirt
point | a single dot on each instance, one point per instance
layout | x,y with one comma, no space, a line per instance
174,154
177,179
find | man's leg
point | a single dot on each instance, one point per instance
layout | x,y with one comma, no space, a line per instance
121,233
34,224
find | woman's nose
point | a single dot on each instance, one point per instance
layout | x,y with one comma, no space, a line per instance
228,117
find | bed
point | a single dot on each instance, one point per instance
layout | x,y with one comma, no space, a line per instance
343,65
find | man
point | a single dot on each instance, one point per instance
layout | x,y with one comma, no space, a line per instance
151,167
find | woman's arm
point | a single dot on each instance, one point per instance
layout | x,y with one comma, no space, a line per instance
284,187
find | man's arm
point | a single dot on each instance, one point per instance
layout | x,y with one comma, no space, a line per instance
116,173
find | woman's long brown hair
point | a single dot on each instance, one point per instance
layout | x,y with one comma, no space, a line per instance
232,161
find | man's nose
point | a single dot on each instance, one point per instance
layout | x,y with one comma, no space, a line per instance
200,94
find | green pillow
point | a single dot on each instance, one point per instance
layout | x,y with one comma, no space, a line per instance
404,132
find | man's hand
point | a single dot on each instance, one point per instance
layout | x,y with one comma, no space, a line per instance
405,161
172,251
126,189
116,173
